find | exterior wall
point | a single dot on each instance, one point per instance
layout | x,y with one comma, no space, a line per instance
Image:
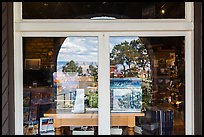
7,70
198,68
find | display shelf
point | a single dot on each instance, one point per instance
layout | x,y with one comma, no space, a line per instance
36,101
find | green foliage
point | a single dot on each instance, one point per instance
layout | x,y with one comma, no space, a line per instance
80,71
135,55
93,72
70,67
146,93
93,99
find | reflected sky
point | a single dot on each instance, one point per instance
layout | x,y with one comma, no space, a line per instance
114,40
79,49
85,49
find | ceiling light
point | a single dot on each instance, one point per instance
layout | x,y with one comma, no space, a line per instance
163,11
45,4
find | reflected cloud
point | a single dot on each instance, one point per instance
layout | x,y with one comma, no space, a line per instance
79,49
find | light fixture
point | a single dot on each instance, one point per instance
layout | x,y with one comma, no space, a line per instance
45,4
50,53
162,11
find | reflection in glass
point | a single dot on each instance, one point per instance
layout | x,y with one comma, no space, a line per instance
77,67
66,83
76,79
154,61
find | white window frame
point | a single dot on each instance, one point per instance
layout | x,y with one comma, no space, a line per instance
103,29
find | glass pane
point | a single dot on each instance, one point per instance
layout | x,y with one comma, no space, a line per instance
88,10
61,83
147,82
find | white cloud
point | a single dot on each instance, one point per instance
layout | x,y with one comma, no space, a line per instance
79,49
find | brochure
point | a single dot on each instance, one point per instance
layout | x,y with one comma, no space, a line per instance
79,102
46,124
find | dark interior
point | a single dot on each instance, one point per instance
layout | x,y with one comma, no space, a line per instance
87,10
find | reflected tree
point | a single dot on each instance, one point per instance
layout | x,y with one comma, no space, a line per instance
132,56
80,71
135,61
70,67
93,70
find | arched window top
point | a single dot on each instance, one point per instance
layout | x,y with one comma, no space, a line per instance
81,50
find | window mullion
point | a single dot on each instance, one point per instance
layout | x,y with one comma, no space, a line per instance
104,87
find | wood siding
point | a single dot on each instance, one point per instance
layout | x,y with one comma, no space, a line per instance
198,68
7,69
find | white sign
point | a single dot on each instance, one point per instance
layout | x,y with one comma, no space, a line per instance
46,124
79,102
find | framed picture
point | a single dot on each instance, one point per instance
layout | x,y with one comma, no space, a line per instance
156,63
127,100
126,94
32,64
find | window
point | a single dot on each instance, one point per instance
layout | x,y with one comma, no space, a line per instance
89,10
66,81
145,76
155,38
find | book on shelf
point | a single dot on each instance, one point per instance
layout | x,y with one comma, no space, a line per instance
26,99
26,114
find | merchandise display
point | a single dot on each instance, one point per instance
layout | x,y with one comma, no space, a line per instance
126,94
147,74
36,101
